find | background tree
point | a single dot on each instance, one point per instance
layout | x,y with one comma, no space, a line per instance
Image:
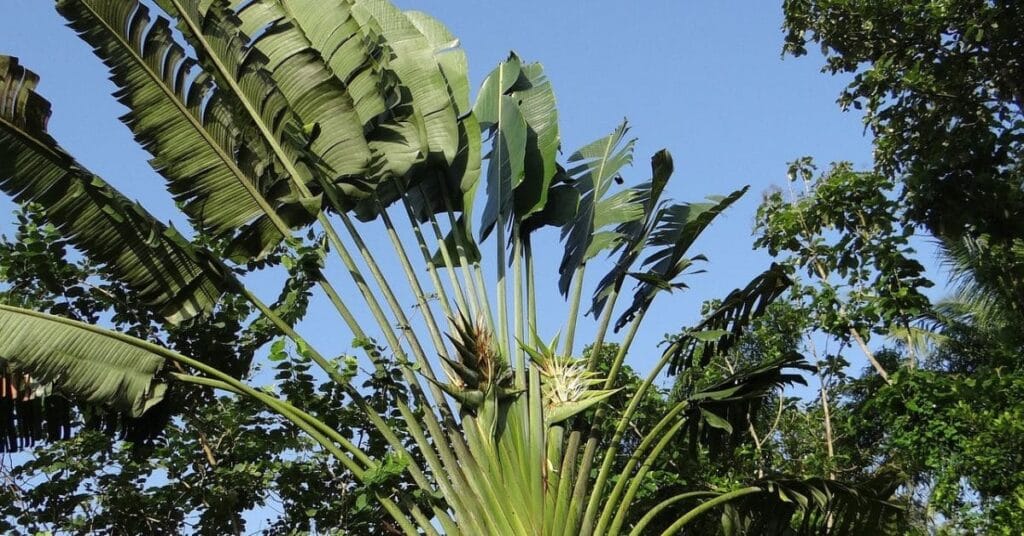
940,85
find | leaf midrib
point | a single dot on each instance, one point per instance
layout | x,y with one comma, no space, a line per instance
242,179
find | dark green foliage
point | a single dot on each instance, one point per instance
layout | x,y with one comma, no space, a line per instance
845,231
942,86
184,471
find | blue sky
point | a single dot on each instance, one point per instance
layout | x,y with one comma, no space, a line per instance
702,79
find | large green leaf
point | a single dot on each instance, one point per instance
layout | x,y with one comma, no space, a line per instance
594,168
720,413
434,186
536,100
464,171
176,279
212,164
501,118
88,363
414,62
312,90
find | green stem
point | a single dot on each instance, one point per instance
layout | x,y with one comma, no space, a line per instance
583,474
637,480
574,308
565,483
708,505
477,290
620,430
502,290
424,307
555,442
519,324
269,401
590,451
442,294
638,530
531,286
447,475
356,397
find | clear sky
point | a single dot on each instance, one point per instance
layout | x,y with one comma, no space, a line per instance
702,79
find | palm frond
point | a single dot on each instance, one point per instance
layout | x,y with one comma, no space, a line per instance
816,506
719,410
91,364
176,279
985,275
213,168
721,328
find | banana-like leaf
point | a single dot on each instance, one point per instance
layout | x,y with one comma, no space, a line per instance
313,92
414,63
726,323
594,168
634,233
675,231
85,362
499,115
536,100
177,280
719,410
464,172
28,413
213,165
434,186
817,506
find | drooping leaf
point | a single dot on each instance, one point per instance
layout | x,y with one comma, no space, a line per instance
414,63
560,208
436,186
313,92
732,316
83,361
676,229
29,412
176,279
817,506
726,407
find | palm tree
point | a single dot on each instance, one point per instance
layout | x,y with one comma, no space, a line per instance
277,115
